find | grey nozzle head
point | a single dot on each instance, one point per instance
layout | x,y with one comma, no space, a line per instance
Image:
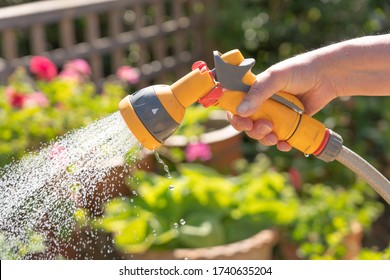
152,114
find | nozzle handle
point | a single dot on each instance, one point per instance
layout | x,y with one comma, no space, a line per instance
284,110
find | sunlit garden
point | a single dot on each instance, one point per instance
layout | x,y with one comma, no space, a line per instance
210,192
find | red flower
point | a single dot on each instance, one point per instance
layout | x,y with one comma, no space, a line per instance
295,178
128,74
22,100
43,68
15,99
198,150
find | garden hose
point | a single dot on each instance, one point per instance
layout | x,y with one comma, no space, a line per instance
366,171
153,113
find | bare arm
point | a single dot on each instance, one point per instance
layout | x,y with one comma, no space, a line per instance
355,67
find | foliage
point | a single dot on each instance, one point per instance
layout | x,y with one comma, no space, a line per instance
197,208
271,31
14,249
200,207
370,254
325,218
194,122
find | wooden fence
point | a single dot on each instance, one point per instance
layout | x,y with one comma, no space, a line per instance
157,36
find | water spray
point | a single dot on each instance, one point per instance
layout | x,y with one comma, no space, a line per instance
153,113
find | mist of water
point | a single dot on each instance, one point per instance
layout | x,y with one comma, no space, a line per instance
40,193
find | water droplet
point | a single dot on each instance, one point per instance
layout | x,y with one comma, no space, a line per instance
154,232
176,225
166,168
306,155
182,222
171,187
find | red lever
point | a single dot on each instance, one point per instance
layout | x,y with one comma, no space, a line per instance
201,65
212,97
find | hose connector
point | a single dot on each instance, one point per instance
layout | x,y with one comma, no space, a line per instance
332,145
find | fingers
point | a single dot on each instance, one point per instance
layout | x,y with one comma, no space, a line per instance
260,130
240,123
263,88
284,146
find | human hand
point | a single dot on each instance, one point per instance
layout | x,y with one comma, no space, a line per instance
355,67
300,76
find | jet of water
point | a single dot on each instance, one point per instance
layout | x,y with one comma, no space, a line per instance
44,188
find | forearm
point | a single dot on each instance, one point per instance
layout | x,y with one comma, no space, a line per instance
357,67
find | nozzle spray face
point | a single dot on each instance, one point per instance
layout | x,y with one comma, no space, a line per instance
154,113
147,117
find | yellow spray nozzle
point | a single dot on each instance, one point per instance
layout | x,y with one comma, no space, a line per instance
153,113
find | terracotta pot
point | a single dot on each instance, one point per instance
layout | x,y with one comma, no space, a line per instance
352,243
257,247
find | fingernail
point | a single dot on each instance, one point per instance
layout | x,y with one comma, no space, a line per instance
243,107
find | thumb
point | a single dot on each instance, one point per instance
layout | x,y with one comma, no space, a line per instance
263,88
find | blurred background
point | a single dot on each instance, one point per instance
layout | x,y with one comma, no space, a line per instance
226,191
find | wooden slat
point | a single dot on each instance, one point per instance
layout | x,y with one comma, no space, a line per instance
115,29
67,34
160,47
139,27
93,34
25,15
9,44
179,39
175,24
178,14
196,35
3,70
38,39
139,12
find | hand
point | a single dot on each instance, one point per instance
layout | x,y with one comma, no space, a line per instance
300,76
354,67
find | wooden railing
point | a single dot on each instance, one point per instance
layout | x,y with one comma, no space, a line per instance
159,37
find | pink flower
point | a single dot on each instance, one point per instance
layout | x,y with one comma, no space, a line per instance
76,69
198,150
128,74
43,68
58,154
79,66
70,74
36,99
